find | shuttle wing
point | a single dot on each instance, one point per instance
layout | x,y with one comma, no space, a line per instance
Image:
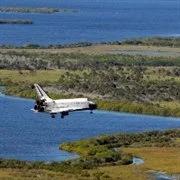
60,110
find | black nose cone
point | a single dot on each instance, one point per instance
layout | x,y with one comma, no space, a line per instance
92,106
32,86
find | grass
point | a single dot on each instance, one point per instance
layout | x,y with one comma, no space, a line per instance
21,174
25,76
160,151
161,159
155,41
162,108
138,84
159,42
158,159
111,172
68,83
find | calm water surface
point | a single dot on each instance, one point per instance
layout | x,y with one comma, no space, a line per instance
94,21
35,136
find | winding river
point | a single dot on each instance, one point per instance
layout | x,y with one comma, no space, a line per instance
26,135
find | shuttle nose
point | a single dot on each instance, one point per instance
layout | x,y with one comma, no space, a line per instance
92,106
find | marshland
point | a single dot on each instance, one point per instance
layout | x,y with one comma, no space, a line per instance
123,55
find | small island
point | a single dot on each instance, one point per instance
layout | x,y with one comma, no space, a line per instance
15,21
44,10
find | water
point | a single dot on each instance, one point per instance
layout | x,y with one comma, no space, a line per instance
163,176
94,21
26,135
137,161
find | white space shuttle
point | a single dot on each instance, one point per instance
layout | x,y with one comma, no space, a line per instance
63,106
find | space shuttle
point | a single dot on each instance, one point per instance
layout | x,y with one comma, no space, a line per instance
63,107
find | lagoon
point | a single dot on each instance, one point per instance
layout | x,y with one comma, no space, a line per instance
25,135
91,20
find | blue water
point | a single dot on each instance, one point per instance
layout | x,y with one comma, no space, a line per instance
94,21
137,161
163,176
26,135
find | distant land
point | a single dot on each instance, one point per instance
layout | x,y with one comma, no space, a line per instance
46,10
15,21
156,41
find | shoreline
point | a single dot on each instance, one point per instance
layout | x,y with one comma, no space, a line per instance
109,106
134,83
114,151
15,21
174,118
158,41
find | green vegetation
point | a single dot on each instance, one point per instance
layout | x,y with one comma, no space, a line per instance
107,153
15,21
155,41
113,90
93,146
103,150
128,83
138,84
153,108
158,159
58,46
172,42
78,61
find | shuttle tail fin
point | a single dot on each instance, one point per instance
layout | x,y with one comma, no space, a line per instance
40,92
